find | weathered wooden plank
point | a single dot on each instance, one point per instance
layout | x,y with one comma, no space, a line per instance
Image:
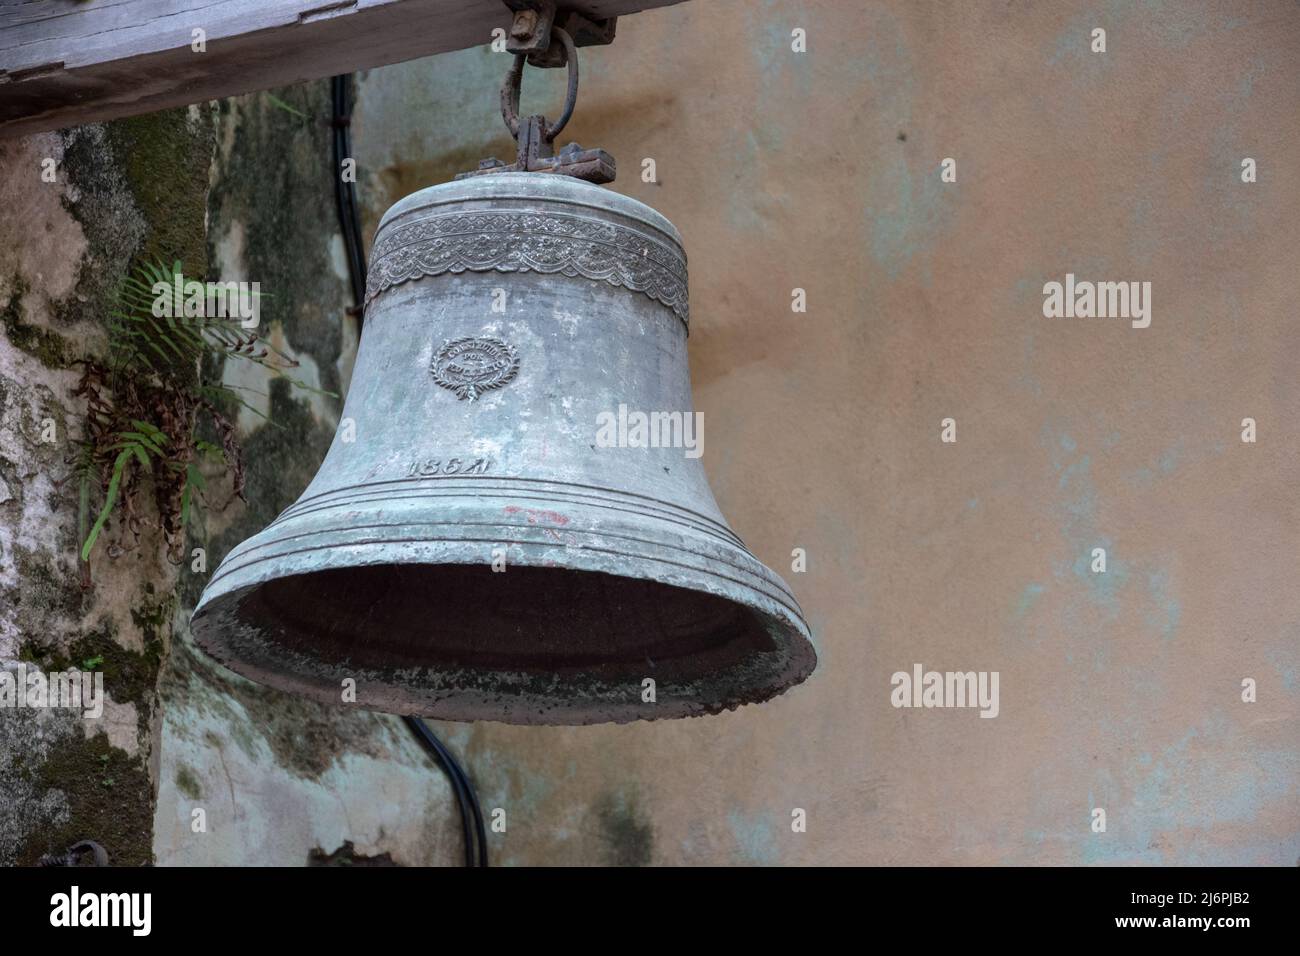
64,62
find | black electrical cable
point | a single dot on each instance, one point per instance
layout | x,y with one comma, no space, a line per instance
345,191
345,194
464,790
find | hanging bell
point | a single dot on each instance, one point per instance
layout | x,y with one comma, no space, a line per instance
487,539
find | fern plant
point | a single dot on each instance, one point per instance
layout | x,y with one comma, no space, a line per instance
148,404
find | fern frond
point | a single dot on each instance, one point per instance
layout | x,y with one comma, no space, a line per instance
110,499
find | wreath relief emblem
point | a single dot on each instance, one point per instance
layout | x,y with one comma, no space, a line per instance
470,366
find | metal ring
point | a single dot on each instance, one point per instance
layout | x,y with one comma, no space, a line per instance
510,95
571,97
514,80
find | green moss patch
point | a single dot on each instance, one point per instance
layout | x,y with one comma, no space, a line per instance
110,801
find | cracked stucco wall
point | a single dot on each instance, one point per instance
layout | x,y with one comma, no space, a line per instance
130,189
236,190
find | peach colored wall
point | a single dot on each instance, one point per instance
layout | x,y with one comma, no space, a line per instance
821,170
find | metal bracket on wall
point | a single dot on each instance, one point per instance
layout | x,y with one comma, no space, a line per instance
546,38
75,855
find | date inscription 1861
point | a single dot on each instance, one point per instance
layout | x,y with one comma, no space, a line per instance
446,467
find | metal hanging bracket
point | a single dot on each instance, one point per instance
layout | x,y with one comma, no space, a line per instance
530,31
542,37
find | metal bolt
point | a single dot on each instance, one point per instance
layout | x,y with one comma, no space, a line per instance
524,25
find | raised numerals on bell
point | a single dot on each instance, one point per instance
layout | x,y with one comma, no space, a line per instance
434,467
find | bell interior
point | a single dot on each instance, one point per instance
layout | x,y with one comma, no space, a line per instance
552,620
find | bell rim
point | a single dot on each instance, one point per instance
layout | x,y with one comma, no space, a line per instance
466,705
336,551
747,582
570,702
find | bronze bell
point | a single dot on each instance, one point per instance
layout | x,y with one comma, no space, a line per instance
470,548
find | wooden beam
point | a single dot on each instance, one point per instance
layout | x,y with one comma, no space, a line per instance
66,62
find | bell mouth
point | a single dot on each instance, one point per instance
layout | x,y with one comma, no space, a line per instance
527,645
394,617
